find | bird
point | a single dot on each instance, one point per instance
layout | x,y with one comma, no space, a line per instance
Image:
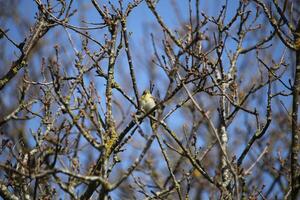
147,103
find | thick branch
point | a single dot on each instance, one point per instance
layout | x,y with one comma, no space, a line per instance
295,183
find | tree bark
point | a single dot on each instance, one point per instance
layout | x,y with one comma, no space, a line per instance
295,130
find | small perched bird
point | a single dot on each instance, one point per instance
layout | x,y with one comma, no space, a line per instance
147,103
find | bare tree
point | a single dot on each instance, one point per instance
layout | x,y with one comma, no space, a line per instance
226,83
